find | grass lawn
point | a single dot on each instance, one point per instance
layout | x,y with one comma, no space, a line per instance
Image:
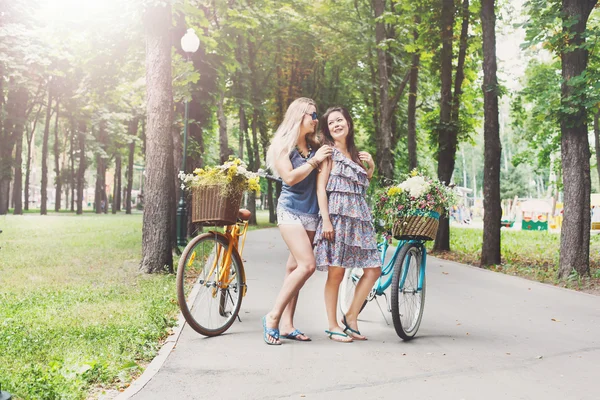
529,254
75,313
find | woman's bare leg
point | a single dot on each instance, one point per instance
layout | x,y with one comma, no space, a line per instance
364,286
335,275
287,318
301,249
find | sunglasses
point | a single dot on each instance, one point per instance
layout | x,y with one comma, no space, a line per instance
313,115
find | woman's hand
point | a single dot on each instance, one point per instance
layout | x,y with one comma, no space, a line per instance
366,157
327,230
323,153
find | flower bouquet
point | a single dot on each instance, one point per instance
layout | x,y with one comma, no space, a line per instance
217,191
412,208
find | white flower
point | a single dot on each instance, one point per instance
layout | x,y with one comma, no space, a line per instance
241,169
415,185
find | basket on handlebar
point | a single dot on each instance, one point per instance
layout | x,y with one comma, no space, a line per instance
421,226
215,205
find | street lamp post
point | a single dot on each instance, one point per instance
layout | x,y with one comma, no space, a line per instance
189,43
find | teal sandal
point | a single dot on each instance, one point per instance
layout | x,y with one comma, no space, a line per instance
331,333
354,331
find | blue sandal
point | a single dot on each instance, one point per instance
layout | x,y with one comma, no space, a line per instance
294,336
354,331
274,333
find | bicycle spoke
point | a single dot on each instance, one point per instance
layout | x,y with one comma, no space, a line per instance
208,284
407,298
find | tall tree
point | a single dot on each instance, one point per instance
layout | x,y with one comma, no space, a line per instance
81,136
30,135
597,140
575,232
159,191
19,127
449,103
490,250
44,188
412,101
388,97
57,177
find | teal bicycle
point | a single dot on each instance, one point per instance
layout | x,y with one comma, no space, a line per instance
405,273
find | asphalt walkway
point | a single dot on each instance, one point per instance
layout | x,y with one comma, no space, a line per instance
484,335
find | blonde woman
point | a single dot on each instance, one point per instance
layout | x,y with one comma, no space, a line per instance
295,156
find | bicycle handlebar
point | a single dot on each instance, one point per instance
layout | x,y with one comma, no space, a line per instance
270,177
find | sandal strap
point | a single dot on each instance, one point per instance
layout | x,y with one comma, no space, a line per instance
336,333
295,333
348,327
274,333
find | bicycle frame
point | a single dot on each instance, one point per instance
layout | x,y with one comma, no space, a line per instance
385,280
232,234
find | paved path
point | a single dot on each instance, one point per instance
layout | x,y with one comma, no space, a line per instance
484,335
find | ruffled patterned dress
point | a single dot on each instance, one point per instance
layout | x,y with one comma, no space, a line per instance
354,244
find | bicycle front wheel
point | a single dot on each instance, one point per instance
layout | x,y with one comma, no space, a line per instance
347,289
209,287
408,300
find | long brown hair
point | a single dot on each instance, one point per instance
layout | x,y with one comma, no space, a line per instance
328,139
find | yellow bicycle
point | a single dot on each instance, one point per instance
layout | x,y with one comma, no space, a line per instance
211,280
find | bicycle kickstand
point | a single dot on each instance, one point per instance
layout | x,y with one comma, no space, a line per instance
380,309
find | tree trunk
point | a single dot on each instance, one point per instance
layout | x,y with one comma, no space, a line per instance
490,250
30,142
44,188
72,163
412,103
81,168
116,203
597,140
384,140
222,119
159,195
445,154
575,232
58,192
7,143
100,190
133,126
100,205
19,127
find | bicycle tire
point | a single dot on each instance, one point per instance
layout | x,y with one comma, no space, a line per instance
408,303
347,289
198,287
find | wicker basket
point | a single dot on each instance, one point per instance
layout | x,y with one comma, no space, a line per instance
210,206
417,227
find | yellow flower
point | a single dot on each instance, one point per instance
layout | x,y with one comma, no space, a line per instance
198,171
394,190
414,172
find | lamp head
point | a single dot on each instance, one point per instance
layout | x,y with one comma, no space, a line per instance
190,41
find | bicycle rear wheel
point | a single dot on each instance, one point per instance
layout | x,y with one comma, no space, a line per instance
209,292
347,289
408,301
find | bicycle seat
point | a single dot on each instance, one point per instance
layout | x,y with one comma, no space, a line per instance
244,214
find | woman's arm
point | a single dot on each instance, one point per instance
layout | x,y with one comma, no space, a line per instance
366,157
322,179
291,175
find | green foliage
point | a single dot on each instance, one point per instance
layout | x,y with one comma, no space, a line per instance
80,315
529,254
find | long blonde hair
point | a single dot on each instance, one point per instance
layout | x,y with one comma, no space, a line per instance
286,135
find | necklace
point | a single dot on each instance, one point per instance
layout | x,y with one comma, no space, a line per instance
302,154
